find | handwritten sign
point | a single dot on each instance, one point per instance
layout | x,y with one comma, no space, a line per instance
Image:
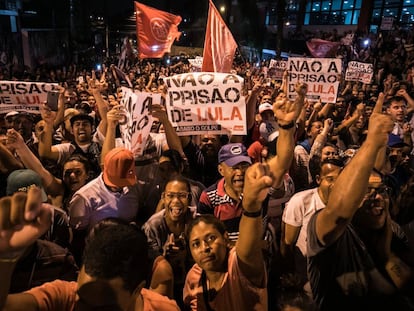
321,74
357,71
137,125
276,68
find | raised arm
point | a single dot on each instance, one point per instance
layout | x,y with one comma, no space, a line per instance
351,185
113,117
158,111
8,161
60,113
46,149
23,219
52,185
251,102
257,181
286,113
96,88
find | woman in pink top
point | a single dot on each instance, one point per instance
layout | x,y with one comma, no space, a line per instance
225,278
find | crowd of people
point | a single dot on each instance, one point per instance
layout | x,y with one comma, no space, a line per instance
311,210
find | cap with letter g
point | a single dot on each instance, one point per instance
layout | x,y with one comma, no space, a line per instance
233,154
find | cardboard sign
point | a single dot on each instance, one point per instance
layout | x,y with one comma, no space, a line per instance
321,74
23,96
206,102
276,68
357,71
137,125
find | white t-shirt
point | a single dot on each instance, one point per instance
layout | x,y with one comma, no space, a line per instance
94,202
298,212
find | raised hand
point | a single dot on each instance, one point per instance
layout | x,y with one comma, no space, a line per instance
14,139
380,125
287,111
23,219
257,181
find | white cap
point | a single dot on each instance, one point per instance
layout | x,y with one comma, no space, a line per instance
11,114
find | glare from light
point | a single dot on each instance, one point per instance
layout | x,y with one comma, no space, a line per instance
222,9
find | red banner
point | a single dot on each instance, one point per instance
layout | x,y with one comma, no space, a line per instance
156,31
322,48
219,44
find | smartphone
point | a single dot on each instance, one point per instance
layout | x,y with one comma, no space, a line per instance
52,100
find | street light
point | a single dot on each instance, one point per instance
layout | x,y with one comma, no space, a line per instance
222,9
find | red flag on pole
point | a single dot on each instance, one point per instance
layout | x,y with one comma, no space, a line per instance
156,31
219,44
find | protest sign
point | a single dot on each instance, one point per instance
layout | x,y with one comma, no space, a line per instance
196,63
206,102
23,96
357,71
321,74
136,127
276,69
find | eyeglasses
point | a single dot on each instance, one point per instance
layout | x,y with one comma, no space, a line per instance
179,195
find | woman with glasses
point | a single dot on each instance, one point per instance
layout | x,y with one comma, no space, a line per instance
165,234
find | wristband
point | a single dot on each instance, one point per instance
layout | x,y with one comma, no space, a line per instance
252,214
287,126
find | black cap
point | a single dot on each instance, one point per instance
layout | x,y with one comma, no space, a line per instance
81,116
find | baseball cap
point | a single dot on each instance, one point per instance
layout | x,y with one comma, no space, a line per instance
11,114
233,154
119,168
25,114
395,141
22,180
81,116
264,107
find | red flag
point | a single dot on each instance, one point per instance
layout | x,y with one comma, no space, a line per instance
322,48
156,31
219,44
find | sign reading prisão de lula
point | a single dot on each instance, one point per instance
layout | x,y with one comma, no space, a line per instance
23,96
321,74
357,71
206,102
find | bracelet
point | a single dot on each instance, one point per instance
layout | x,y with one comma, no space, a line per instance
252,214
287,126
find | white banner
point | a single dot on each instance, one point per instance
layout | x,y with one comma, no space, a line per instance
321,74
206,102
137,125
23,96
357,71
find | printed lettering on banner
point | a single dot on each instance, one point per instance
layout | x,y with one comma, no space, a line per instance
321,74
357,71
136,127
23,96
202,102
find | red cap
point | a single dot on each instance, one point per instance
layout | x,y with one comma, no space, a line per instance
119,168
